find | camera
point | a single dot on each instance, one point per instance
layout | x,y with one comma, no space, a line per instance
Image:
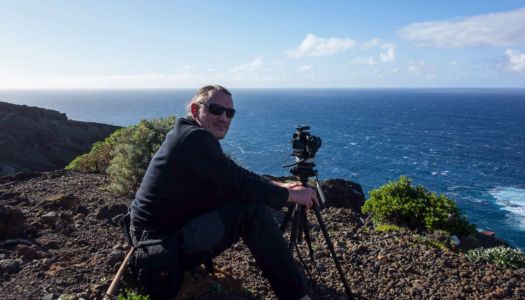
304,144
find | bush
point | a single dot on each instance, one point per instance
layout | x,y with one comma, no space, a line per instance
98,158
387,228
399,203
501,256
133,152
125,154
130,295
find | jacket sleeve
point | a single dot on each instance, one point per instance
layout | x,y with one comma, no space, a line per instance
201,154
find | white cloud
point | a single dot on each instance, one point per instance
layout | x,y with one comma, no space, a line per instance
187,68
516,60
371,44
389,54
278,62
421,69
388,50
368,61
416,66
250,67
496,29
147,80
305,68
254,72
318,46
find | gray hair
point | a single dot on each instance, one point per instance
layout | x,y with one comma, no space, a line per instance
203,95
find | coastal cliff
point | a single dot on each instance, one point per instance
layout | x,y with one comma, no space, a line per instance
38,139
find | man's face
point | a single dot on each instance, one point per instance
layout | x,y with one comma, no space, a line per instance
218,126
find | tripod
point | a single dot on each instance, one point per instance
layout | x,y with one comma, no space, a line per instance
303,171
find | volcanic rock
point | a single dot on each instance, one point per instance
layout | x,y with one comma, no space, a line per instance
38,139
343,193
9,266
11,222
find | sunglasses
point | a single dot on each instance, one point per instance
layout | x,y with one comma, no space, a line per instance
217,109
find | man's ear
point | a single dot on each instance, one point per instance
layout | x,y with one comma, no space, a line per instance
194,110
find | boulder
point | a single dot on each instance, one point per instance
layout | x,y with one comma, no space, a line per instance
12,222
343,193
110,211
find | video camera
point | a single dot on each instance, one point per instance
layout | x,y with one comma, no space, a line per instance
304,144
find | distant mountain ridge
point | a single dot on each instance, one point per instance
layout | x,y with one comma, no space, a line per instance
39,139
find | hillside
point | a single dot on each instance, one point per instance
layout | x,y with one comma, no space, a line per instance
38,139
63,240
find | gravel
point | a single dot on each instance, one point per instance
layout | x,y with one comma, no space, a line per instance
73,249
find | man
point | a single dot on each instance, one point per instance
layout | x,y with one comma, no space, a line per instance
194,203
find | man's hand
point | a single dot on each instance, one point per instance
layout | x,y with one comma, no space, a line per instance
305,196
287,185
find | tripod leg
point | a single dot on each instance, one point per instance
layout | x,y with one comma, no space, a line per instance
332,251
287,217
305,267
308,240
295,228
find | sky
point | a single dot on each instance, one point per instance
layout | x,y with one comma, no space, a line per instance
261,44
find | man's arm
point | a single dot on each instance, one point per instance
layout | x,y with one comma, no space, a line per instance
200,153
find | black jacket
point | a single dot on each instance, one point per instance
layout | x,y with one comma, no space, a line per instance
190,175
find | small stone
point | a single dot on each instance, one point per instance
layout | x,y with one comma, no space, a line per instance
50,218
115,257
9,266
52,244
50,296
61,225
27,252
62,200
500,292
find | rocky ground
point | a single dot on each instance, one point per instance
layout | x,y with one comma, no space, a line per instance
63,240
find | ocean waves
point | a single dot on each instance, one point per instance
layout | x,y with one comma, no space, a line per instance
512,200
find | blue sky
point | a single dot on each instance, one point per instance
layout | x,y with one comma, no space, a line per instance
261,44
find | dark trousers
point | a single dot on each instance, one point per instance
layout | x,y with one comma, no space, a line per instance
208,235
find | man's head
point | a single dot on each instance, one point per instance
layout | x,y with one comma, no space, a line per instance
212,109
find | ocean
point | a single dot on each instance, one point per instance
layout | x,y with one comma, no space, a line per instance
466,143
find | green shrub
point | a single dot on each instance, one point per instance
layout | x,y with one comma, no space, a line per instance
130,295
133,152
387,228
399,203
501,256
98,158
125,154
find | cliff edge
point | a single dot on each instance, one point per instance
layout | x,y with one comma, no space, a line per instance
38,139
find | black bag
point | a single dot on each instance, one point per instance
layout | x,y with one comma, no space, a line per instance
158,268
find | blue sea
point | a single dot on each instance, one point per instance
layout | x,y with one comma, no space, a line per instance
466,143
